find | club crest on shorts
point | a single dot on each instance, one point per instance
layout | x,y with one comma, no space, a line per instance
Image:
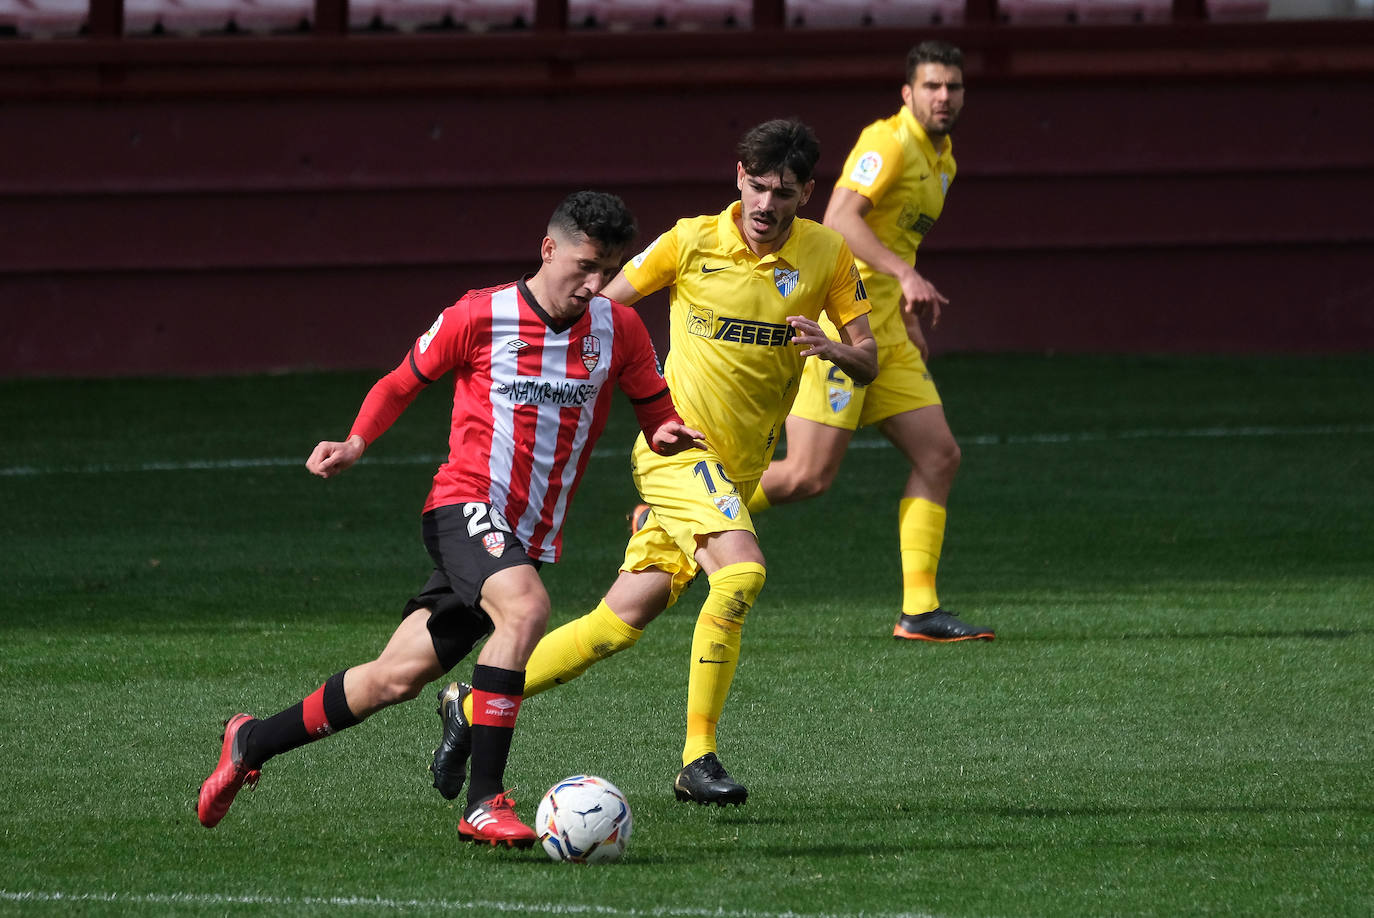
785,279
591,352
839,399
494,543
728,504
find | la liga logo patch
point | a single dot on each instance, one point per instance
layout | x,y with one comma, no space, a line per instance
866,169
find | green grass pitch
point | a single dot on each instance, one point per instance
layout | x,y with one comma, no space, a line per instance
1175,719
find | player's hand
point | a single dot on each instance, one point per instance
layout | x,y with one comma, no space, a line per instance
673,437
330,458
917,336
809,336
919,296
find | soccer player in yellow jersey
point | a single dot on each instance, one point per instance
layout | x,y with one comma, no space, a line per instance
747,288
890,193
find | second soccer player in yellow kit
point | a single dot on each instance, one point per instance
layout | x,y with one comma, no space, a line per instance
747,288
889,195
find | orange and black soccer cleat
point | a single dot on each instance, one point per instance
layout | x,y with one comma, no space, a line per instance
939,626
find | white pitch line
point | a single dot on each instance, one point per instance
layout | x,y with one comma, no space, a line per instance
862,442
426,906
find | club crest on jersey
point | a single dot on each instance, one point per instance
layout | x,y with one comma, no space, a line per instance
728,504
700,321
494,543
785,279
591,352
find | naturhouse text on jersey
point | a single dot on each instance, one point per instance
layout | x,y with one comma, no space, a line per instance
570,393
702,321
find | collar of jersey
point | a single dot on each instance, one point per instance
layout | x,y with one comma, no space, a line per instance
731,243
923,139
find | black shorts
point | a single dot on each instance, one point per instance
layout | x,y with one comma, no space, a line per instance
468,544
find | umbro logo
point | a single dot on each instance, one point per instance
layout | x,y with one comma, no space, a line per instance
707,269
517,345
503,704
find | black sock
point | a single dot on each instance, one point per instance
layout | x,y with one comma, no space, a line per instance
496,696
323,712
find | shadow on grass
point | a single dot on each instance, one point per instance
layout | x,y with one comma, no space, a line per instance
1310,634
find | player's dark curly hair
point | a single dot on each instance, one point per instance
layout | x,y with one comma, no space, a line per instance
595,215
932,52
774,146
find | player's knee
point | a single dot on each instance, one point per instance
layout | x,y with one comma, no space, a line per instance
527,619
397,686
939,461
949,458
814,485
737,588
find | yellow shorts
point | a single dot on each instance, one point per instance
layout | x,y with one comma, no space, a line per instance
827,396
692,497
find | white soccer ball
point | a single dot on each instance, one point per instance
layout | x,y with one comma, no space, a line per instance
584,819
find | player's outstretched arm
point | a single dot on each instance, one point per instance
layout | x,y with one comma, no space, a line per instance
673,437
857,355
331,458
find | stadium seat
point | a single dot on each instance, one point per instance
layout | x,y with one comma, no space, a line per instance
618,15
408,15
915,13
194,17
1112,12
828,14
49,18
273,15
1037,12
481,15
708,14
1237,10
1157,11
9,17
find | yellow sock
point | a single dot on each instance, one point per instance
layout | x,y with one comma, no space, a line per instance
567,651
921,535
758,501
715,652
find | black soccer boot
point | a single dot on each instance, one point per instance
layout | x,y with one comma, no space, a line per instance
940,626
705,780
450,765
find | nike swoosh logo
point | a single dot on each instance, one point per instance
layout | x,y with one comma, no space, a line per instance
709,270
704,660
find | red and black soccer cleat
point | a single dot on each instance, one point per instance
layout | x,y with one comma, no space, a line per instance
229,775
493,822
939,626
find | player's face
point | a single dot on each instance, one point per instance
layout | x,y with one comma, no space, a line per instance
769,204
935,96
575,269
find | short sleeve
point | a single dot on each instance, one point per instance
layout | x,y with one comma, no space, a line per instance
874,165
655,267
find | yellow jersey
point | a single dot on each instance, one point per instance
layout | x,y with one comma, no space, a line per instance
731,366
895,165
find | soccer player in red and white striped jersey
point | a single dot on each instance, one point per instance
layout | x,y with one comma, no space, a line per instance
534,363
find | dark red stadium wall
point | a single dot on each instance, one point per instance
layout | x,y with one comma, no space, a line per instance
220,231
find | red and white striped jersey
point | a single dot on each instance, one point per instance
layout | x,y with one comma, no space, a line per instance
531,396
